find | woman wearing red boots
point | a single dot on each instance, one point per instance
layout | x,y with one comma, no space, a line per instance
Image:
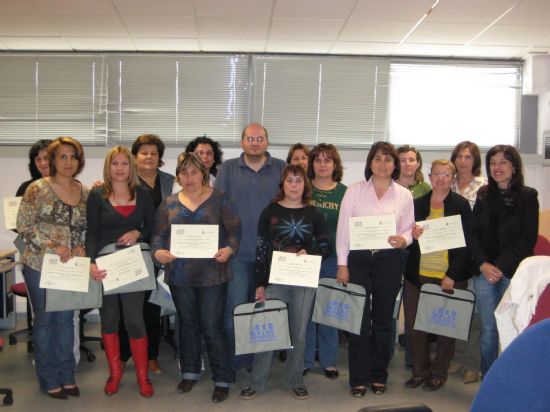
120,214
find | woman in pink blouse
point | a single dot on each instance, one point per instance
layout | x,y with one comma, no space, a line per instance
378,271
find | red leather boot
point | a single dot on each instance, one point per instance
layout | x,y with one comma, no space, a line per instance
111,343
139,354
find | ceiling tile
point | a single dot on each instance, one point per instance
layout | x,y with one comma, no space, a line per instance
101,43
93,26
289,46
500,52
391,10
508,35
232,28
18,7
529,12
36,43
233,45
160,26
429,50
26,25
154,8
445,33
470,11
171,44
305,29
234,9
76,7
313,9
366,48
375,31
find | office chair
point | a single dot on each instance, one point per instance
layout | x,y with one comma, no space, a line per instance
90,356
20,289
7,392
542,247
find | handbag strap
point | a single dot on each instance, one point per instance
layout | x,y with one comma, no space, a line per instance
115,247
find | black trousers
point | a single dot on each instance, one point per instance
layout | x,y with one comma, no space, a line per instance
369,353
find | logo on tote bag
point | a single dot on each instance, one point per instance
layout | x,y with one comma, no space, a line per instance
262,332
337,310
444,317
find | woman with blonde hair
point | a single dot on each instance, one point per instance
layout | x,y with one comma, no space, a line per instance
449,269
120,214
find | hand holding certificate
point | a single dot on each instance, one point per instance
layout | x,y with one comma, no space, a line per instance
122,267
72,275
295,270
11,207
371,232
441,234
194,241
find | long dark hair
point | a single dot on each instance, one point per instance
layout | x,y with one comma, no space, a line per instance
35,149
491,190
386,149
216,148
294,170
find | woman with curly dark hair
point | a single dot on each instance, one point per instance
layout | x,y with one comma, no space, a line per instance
210,152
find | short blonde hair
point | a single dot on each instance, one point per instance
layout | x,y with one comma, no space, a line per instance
132,178
446,163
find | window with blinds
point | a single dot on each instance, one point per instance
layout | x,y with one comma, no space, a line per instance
177,97
342,100
439,104
350,101
45,96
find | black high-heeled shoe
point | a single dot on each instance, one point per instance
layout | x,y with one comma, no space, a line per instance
378,389
358,391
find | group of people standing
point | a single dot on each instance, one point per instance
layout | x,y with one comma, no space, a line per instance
262,204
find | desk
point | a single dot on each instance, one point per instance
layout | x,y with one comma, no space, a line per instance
7,278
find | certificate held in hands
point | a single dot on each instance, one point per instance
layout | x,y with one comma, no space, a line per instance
194,241
123,267
371,232
72,275
441,234
291,269
11,207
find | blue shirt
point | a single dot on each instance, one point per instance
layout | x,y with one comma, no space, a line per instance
251,192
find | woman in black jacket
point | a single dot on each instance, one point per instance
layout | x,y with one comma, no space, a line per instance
506,221
448,268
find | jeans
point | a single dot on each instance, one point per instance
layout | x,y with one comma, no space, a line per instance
369,353
239,290
53,338
200,313
299,301
322,337
488,296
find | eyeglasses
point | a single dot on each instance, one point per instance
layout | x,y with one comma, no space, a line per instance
325,161
258,139
208,153
446,175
